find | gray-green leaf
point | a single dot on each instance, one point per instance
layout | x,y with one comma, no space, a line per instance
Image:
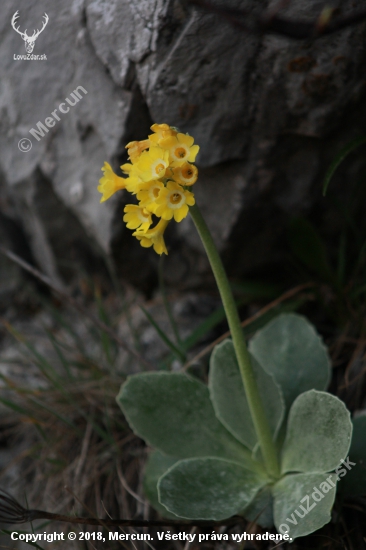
303,502
229,399
318,436
208,488
290,349
353,478
157,465
174,414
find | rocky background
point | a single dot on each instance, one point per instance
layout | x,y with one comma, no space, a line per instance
269,112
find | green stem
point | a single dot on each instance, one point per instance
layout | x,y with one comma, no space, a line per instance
250,386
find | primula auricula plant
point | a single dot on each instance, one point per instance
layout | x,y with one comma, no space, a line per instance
264,436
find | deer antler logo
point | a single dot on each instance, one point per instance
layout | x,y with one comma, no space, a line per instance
29,40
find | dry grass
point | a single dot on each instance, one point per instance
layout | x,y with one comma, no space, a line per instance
71,449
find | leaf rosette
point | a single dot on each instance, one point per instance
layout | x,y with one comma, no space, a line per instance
207,463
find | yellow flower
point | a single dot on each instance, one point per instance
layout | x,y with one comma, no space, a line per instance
129,169
161,131
180,148
133,184
148,193
133,180
153,237
135,148
152,164
185,174
173,201
159,172
137,217
110,183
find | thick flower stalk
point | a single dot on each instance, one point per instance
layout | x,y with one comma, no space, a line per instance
159,174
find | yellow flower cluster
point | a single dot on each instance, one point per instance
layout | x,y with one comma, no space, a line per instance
159,175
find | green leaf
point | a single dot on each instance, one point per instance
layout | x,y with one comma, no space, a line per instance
339,159
208,488
157,465
290,349
174,414
303,502
199,332
229,399
318,436
307,245
210,322
260,510
353,481
255,290
179,354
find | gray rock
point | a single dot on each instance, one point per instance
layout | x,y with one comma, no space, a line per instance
268,112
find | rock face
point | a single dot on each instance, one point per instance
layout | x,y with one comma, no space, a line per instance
269,114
